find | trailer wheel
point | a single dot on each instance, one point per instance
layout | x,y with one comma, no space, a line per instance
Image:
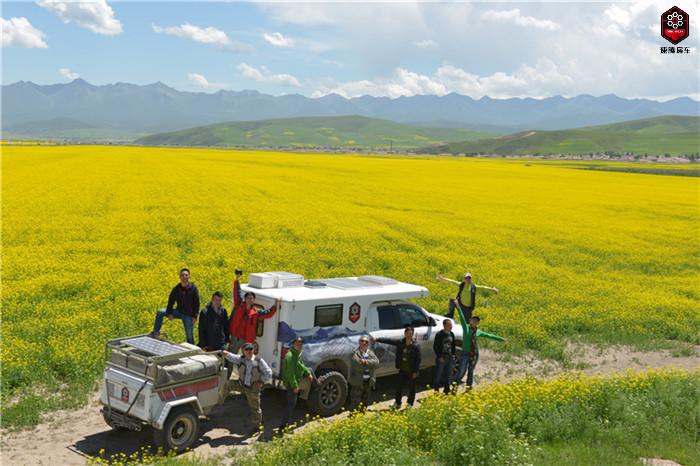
180,430
329,396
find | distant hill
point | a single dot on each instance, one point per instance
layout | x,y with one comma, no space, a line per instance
63,128
132,110
348,132
676,135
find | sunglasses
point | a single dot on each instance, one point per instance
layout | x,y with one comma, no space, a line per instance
248,349
364,341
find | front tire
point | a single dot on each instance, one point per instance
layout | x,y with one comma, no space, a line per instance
329,396
180,430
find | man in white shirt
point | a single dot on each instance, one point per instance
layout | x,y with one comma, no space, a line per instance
252,372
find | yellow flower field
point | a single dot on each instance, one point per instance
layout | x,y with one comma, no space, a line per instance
93,238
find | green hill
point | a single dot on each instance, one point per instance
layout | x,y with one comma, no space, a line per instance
675,135
347,132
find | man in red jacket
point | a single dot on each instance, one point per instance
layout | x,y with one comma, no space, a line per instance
245,321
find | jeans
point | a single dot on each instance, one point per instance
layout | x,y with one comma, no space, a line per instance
442,373
402,379
466,367
292,397
452,307
186,321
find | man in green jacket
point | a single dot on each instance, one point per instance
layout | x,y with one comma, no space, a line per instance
466,296
362,378
470,348
294,375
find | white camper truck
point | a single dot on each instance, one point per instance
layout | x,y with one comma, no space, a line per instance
331,314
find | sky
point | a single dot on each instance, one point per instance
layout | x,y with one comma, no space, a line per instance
388,49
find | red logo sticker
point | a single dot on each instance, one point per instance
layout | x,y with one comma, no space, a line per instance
354,312
675,25
125,394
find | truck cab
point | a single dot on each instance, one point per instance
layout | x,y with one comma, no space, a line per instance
331,314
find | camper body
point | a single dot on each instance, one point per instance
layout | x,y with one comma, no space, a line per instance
330,315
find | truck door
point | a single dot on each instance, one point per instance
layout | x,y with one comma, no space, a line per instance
413,315
389,321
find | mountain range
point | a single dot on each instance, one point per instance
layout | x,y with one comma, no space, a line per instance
126,111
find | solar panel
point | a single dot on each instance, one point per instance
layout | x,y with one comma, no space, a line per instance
155,346
347,283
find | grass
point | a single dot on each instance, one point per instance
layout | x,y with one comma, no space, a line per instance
575,420
674,135
348,132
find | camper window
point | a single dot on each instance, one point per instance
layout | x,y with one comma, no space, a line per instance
328,316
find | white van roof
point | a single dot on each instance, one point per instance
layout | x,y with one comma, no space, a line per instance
290,287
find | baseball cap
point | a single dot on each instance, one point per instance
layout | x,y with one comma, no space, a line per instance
467,275
248,346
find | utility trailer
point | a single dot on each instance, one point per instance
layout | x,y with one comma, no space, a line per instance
156,382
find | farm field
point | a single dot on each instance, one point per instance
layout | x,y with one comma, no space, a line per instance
93,238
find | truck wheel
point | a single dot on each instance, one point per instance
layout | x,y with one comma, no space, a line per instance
329,396
180,430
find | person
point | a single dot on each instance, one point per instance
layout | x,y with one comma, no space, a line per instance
253,373
444,347
244,321
470,348
465,300
295,376
407,361
183,304
362,378
213,325
237,294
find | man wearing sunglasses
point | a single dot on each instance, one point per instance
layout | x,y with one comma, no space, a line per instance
253,372
362,378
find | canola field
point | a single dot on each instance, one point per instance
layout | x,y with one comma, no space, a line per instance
93,238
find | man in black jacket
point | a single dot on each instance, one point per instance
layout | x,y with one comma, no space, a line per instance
407,362
186,296
444,347
213,325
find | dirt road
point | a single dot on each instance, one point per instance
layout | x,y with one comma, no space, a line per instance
69,437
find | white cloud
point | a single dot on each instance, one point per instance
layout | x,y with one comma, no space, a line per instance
199,81
426,44
264,75
215,37
18,32
94,15
278,40
542,80
66,72
514,16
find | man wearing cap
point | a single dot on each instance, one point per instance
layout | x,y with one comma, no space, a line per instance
466,299
295,376
362,378
253,372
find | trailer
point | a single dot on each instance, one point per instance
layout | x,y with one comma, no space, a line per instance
156,382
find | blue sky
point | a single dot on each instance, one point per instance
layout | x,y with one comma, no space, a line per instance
392,49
